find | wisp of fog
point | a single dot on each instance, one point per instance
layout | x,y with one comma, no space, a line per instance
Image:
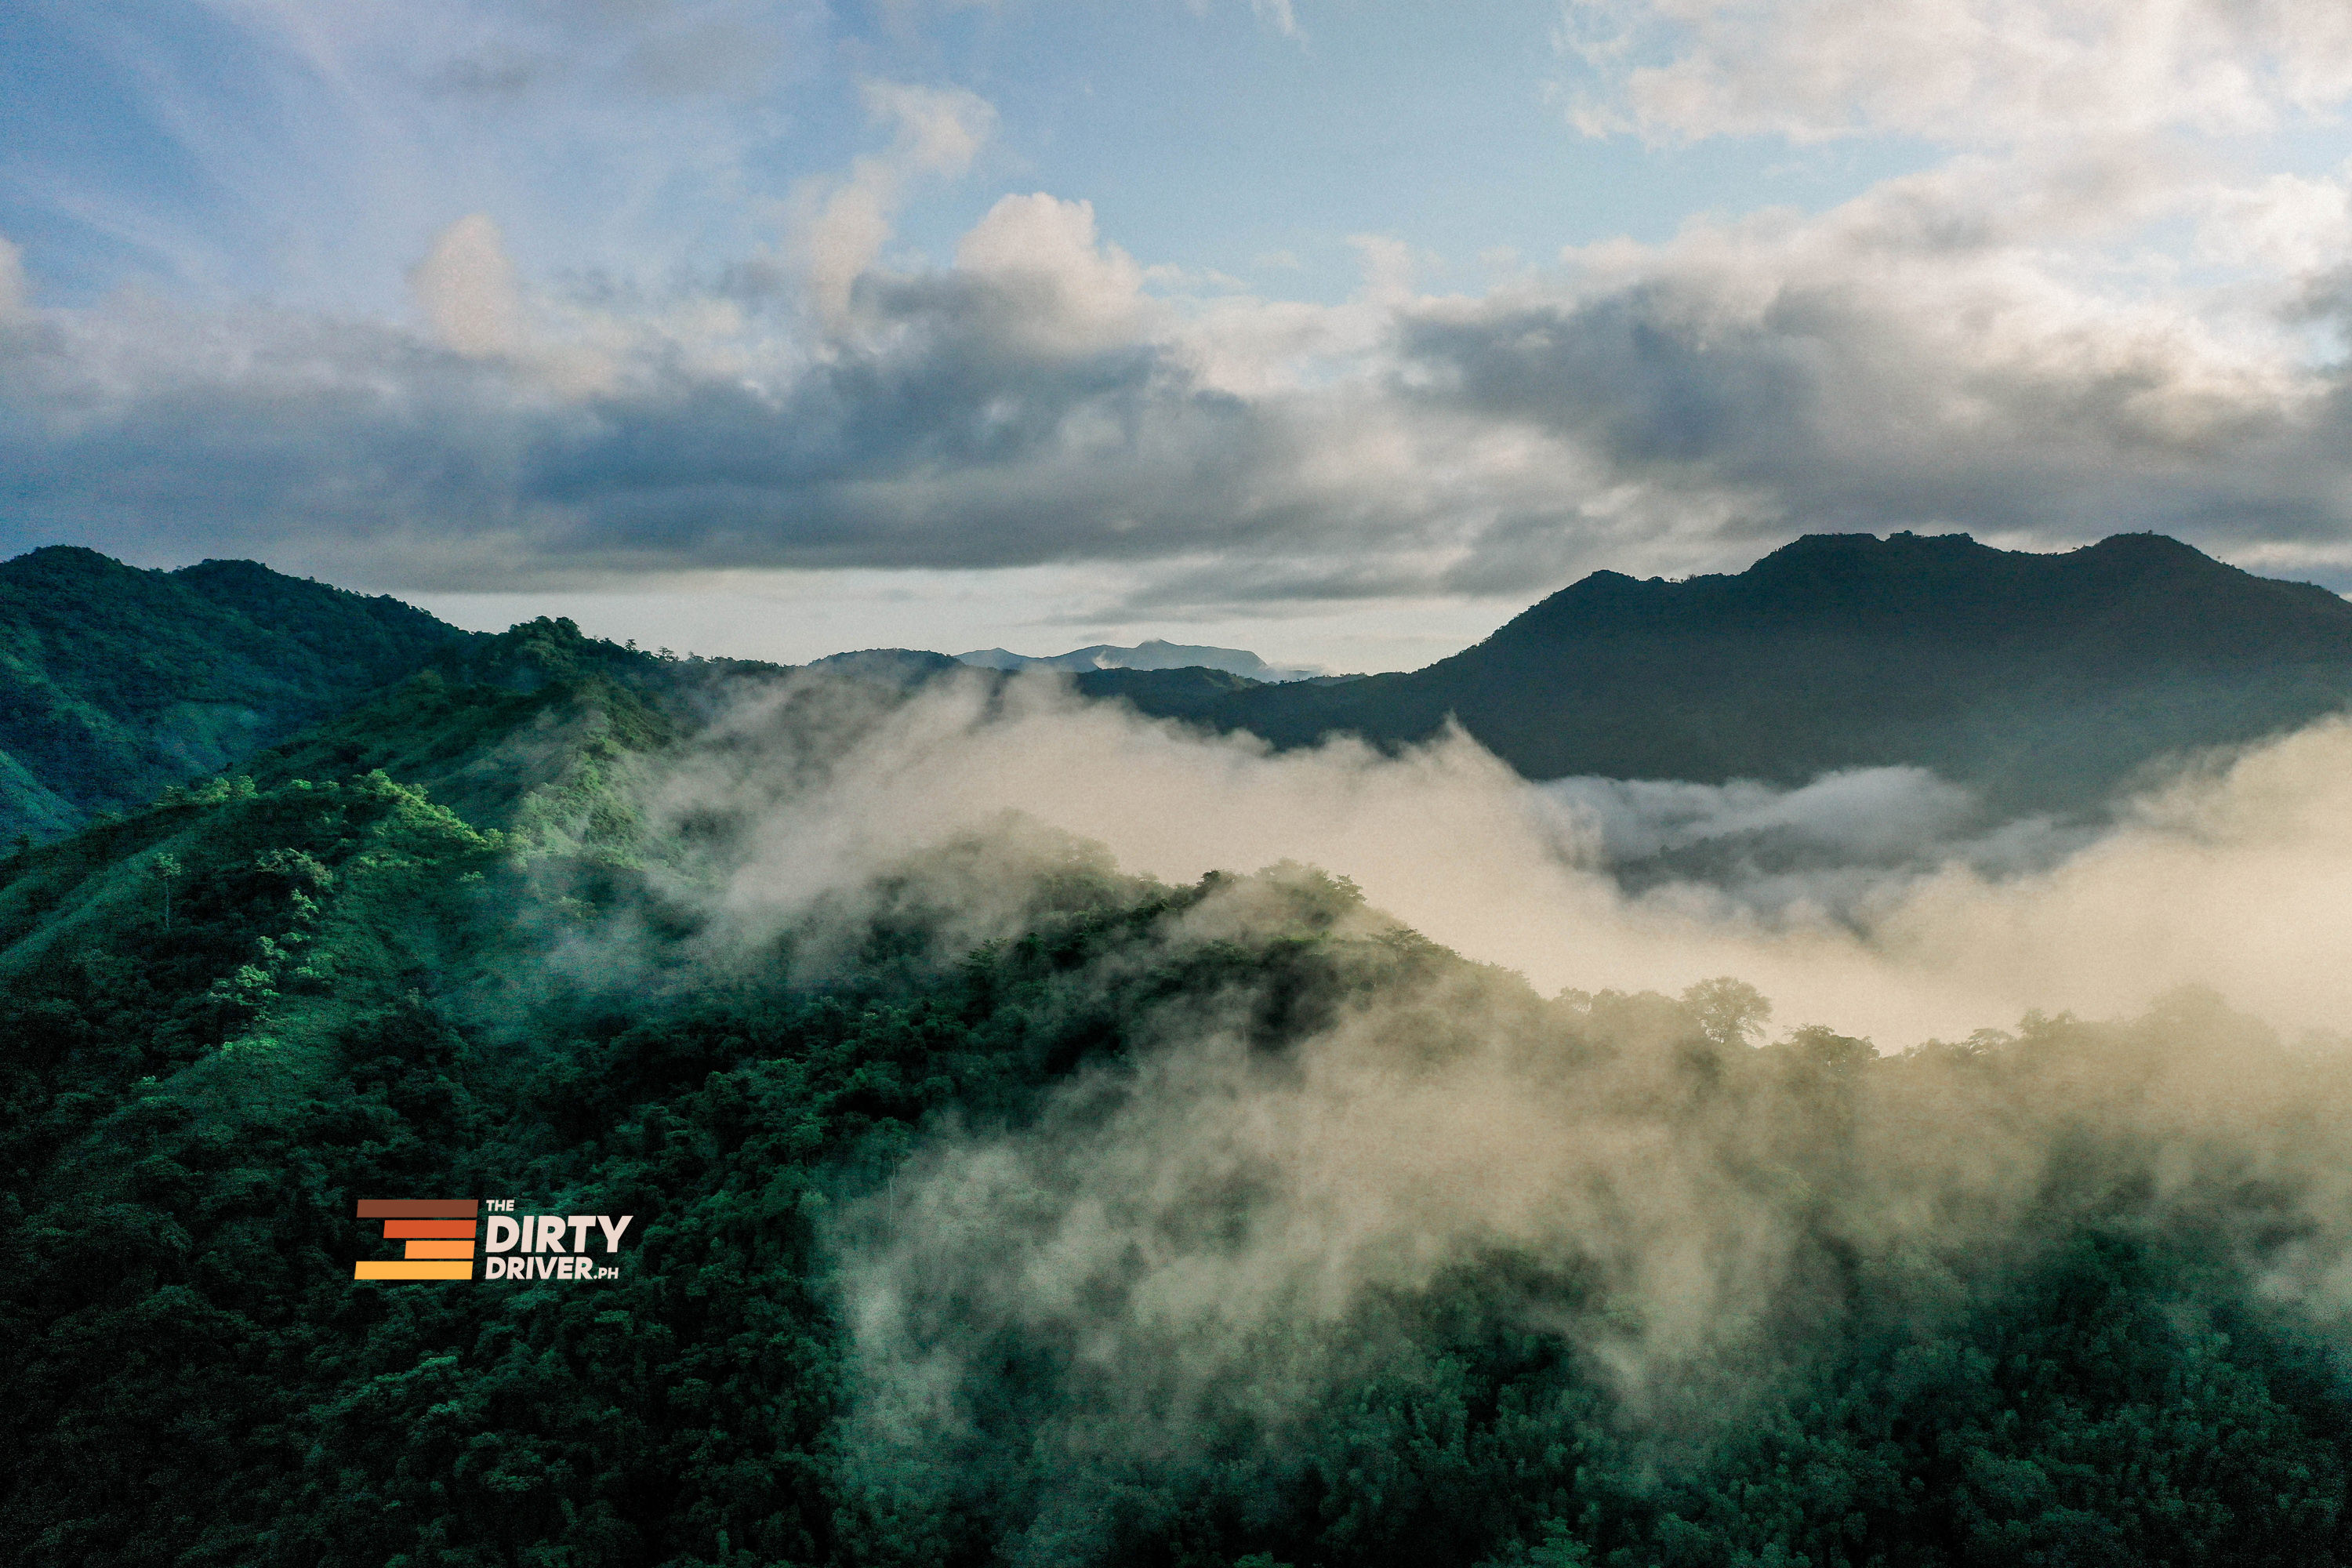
1217,1225
1872,902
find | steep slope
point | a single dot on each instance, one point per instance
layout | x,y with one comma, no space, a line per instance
522,729
115,682
2041,679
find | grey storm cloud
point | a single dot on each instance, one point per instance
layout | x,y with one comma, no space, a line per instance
960,429
2075,318
1830,418
1622,375
951,447
1034,404
1816,416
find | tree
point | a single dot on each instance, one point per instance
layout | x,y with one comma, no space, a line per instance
168,870
1730,1012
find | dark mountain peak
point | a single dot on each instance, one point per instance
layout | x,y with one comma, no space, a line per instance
1599,594
1918,561
379,633
1962,555
57,582
2126,559
2121,595
1870,554
52,560
888,666
2144,547
214,568
1903,546
2038,680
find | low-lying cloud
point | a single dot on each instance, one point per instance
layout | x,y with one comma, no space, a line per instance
1921,919
1669,1144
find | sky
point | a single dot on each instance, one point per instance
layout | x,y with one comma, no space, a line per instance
1337,329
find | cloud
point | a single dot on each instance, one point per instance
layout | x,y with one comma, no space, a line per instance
1921,919
1208,1233
1277,15
1935,354
845,224
16,289
1084,295
1839,846
466,289
1934,350
1230,1218
2043,342
1967,72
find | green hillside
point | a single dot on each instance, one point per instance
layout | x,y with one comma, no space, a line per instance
230,1015
115,682
2044,681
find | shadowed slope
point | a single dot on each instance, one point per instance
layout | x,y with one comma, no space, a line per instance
2043,680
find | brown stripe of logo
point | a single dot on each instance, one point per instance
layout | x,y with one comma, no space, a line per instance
419,1208
406,1229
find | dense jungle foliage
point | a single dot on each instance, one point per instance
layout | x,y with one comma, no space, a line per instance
228,1015
115,682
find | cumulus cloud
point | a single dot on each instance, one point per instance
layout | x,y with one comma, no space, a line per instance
1924,355
1084,295
1936,349
2040,338
846,223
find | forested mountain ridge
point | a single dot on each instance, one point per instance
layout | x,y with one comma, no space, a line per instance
115,682
530,729
229,1014
2042,680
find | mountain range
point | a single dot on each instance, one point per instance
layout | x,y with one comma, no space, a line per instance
421,943
1153,654
2042,682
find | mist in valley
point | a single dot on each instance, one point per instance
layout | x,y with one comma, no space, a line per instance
1722,1075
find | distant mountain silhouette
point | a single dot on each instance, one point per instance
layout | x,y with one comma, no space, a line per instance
2042,680
1155,654
115,682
